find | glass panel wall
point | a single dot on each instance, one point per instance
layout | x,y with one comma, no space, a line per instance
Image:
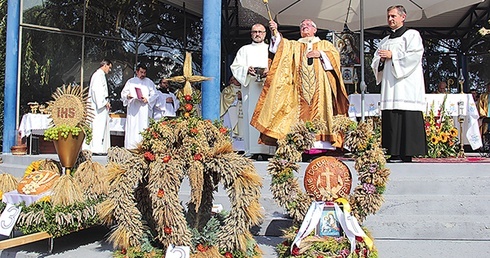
48,60
61,14
60,37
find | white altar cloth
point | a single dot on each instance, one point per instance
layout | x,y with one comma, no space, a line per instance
32,122
14,197
37,123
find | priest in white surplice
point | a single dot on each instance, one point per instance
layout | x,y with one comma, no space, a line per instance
166,104
397,65
98,97
139,95
247,58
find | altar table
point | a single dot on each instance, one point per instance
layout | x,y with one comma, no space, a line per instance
470,125
36,124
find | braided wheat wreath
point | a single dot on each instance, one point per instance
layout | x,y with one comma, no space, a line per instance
363,141
144,186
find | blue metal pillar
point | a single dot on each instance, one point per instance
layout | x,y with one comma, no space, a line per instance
11,71
211,58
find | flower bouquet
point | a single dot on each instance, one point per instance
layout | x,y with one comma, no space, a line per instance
442,136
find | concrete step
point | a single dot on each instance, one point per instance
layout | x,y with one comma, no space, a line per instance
423,248
434,205
17,164
423,226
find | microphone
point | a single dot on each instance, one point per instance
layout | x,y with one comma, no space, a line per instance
310,60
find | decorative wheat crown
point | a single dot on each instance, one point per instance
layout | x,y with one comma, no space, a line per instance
70,107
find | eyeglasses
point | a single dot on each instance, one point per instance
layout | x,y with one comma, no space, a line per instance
258,32
306,25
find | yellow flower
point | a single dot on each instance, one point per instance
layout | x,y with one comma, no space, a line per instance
46,198
444,137
453,132
434,139
1,195
34,166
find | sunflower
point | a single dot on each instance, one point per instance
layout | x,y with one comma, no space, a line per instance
46,198
34,166
434,139
444,137
453,132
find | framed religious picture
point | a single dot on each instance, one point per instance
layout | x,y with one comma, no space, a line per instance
347,43
348,75
328,225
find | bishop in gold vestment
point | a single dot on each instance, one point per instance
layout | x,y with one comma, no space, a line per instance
303,84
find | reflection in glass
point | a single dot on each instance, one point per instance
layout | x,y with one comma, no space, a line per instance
127,32
47,62
67,15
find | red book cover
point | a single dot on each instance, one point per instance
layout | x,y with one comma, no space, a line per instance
139,94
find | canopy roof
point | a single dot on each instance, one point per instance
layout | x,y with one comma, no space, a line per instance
456,22
452,24
461,23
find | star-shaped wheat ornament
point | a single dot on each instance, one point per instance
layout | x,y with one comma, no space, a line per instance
188,78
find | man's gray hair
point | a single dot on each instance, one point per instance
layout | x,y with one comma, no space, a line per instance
312,22
401,10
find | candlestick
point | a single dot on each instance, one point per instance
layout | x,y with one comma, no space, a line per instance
461,81
461,120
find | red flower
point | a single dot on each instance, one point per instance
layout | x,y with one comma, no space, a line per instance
194,131
123,251
149,156
164,123
188,107
188,97
201,248
319,256
166,158
167,230
160,193
197,156
285,243
155,135
295,251
228,255
359,239
223,130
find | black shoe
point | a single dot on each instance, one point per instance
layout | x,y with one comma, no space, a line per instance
406,158
394,159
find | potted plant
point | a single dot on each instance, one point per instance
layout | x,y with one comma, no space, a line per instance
71,115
